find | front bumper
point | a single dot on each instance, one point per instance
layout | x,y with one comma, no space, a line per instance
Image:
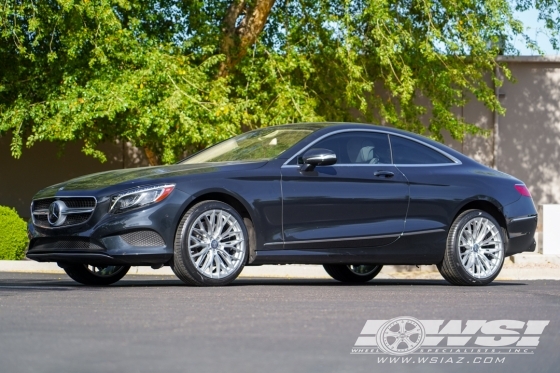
143,236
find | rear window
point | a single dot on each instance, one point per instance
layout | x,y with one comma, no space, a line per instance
411,152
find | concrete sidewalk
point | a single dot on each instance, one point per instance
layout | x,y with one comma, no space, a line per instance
519,267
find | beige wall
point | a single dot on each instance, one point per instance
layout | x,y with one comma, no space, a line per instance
529,134
528,144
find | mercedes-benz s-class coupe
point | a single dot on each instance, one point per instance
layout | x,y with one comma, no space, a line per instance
351,197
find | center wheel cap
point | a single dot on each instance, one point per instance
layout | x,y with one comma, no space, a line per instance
214,244
475,248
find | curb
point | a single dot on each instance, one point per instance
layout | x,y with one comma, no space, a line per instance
519,267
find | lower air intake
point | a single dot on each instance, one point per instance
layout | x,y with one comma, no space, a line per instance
49,244
143,238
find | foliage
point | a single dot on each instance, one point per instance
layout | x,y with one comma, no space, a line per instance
13,235
152,72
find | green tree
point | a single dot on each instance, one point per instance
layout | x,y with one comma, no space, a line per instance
174,76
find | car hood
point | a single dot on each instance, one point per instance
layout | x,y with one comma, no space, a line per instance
128,178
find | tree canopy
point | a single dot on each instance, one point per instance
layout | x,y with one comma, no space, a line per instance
174,76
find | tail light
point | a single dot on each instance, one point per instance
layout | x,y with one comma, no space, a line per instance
522,189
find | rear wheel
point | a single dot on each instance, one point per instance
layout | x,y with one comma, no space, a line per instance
353,273
475,249
95,275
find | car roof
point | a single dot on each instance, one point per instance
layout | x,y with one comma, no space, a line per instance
324,127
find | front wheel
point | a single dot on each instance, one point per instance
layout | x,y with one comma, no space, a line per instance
475,249
211,245
353,273
95,275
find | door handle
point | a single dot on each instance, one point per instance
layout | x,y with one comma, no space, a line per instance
385,174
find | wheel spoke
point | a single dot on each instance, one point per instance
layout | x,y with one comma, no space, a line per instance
484,260
228,234
201,232
216,243
407,341
203,254
232,243
226,258
416,330
482,233
480,247
218,227
218,261
390,333
490,241
208,262
465,257
492,252
395,344
470,262
200,244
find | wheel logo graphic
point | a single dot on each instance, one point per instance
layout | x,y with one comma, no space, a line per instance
401,336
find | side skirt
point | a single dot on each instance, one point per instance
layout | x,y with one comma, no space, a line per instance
421,248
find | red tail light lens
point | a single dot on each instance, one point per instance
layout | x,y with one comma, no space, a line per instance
522,189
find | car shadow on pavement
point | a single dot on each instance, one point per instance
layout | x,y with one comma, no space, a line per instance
38,282
327,282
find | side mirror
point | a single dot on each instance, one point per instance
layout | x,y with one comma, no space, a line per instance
317,157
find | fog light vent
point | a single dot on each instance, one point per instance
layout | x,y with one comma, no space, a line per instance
143,238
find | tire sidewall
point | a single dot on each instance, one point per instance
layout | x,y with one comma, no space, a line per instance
356,277
80,273
454,238
182,243
341,272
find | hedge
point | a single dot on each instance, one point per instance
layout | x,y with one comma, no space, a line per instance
13,235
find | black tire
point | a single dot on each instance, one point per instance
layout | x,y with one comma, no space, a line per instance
451,267
82,274
184,267
343,273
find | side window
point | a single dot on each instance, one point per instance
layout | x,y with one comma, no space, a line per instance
358,147
411,152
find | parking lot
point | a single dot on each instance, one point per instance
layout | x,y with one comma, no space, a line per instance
156,324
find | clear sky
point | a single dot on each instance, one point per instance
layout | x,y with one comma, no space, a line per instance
536,30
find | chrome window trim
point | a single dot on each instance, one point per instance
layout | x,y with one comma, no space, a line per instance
41,212
451,158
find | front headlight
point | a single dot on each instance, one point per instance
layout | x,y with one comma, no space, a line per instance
139,197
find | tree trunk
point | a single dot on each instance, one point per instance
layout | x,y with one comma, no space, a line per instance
152,157
240,35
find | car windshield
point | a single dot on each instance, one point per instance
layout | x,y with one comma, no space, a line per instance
262,144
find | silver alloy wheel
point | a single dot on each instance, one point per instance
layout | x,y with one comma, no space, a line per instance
103,271
362,269
216,244
480,247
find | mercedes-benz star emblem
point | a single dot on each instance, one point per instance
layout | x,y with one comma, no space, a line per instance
57,214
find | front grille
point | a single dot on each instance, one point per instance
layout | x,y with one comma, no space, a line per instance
53,244
143,238
77,219
42,204
78,210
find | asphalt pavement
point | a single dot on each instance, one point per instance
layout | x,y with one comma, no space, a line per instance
48,323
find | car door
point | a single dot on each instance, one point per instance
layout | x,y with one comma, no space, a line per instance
434,191
361,201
